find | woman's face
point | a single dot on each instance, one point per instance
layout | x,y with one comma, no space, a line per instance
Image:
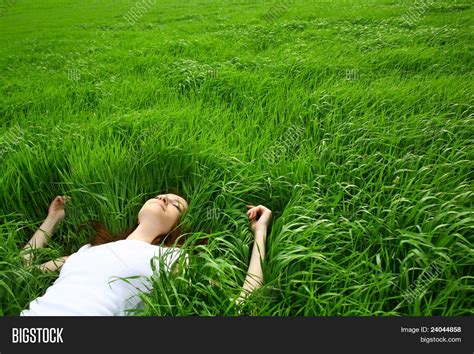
163,211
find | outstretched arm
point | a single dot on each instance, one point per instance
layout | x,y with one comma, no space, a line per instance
40,238
260,219
53,265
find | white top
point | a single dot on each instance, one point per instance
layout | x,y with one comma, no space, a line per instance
91,280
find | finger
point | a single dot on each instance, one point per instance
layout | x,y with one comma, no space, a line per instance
250,206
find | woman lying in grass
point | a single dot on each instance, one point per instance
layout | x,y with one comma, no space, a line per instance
105,277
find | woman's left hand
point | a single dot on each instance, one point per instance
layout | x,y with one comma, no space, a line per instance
56,209
259,216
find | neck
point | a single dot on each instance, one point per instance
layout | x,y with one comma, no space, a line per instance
144,232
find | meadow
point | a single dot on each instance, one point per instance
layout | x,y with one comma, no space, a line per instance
352,120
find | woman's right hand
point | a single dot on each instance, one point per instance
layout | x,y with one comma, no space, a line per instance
56,209
260,217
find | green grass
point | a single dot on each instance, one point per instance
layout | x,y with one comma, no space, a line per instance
376,188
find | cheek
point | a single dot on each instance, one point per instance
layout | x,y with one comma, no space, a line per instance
173,216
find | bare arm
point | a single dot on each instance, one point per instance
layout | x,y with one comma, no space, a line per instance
53,265
40,238
260,218
254,278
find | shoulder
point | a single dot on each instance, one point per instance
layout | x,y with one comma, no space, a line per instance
83,248
177,251
170,255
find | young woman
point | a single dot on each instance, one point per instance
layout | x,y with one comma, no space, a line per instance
105,277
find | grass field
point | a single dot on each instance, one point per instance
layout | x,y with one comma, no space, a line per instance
351,120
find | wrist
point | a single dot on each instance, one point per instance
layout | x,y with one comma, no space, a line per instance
52,219
260,232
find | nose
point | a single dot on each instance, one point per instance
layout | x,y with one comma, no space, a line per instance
164,198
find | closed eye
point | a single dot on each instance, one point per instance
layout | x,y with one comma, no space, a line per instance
176,204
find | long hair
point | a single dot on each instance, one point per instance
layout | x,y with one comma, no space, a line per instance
175,237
